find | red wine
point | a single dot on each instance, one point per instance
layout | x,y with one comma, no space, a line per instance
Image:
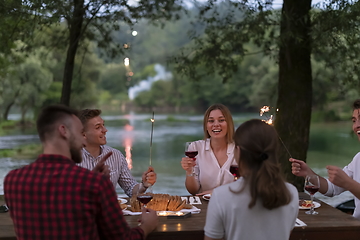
235,171
191,154
312,189
144,198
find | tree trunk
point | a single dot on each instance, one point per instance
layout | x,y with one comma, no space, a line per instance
7,110
295,85
75,28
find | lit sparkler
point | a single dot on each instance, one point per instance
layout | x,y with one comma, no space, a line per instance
151,136
127,143
269,121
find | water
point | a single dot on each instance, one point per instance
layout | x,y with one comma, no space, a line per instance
329,144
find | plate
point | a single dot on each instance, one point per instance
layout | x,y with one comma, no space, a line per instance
206,197
316,205
122,200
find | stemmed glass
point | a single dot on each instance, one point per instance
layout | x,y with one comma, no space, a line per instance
191,154
146,196
234,169
312,185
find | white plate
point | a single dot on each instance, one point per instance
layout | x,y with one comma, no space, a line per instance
316,205
122,200
206,197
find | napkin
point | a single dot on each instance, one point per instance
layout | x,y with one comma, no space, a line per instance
193,210
194,200
299,223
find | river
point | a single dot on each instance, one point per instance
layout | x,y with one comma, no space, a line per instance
330,143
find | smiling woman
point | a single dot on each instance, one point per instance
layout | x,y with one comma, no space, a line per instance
215,153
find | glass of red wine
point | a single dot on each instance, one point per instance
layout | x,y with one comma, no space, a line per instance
191,154
234,169
312,185
145,197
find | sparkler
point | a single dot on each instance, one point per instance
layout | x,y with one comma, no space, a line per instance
269,121
151,136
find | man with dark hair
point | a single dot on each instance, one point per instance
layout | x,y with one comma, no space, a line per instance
95,148
52,198
339,180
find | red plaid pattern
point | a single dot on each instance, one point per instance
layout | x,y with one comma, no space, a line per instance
53,198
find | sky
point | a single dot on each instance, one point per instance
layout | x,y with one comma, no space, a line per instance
278,3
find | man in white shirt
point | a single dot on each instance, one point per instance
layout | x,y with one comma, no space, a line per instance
95,136
339,180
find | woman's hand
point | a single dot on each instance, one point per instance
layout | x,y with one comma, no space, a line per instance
187,164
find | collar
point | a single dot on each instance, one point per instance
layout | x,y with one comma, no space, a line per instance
54,158
101,151
229,150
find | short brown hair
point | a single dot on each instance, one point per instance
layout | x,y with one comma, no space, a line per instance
86,114
49,115
356,104
228,118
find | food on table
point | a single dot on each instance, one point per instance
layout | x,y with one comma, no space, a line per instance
161,202
122,205
305,203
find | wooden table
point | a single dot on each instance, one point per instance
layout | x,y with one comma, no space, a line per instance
330,223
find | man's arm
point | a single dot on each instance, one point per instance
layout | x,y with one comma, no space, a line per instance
112,224
301,169
339,178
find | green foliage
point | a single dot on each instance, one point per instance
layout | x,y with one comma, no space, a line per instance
26,151
27,81
324,116
113,78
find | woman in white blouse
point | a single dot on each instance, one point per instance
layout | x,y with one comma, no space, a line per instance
215,153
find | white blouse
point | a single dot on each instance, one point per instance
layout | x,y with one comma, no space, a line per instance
208,172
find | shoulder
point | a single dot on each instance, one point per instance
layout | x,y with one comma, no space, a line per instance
293,190
291,187
201,142
357,157
107,149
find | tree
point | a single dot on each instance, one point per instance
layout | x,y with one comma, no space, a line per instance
295,83
95,20
26,81
289,38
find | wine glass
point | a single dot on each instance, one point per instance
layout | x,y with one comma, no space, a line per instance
145,197
312,185
191,154
234,169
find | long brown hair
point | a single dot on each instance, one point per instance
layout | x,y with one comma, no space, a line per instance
228,118
258,143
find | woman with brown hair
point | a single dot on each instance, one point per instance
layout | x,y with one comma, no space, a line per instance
260,205
215,153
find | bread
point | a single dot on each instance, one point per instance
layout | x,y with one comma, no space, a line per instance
160,202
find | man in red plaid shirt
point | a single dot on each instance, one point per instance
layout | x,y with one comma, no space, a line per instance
53,198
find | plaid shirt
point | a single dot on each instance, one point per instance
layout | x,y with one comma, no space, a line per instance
53,198
119,171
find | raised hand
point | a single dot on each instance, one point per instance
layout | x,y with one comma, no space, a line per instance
187,164
101,167
300,168
149,176
149,220
338,177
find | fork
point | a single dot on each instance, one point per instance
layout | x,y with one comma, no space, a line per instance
195,201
